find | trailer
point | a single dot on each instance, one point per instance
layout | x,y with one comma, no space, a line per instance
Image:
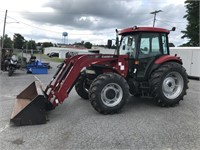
190,57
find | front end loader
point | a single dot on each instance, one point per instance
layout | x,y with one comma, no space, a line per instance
142,66
33,102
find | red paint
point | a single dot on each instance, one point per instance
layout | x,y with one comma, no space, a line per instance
166,58
142,29
60,88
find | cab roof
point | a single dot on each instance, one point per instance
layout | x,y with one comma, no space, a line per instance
142,29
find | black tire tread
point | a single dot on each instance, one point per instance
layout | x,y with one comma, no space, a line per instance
10,72
156,79
79,87
94,91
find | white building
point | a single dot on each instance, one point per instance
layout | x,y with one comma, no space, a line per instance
63,51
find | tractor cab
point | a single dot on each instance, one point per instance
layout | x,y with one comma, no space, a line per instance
143,45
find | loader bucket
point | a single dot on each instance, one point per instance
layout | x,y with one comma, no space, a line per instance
29,108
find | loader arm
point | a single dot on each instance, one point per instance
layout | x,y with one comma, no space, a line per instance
62,83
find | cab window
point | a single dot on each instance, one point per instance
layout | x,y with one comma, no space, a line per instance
164,44
149,45
127,45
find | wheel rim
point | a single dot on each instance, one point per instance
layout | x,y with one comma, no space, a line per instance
111,94
173,85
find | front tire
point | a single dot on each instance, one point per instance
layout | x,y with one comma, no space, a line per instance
82,86
169,84
108,93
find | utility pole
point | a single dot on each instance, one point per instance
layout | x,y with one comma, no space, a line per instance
155,12
199,26
2,41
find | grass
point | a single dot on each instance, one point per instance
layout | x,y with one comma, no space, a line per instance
47,58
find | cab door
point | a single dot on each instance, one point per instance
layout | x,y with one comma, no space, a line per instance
149,49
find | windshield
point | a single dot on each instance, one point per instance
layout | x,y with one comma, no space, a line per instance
127,45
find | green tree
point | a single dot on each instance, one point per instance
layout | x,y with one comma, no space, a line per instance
7,42
192,29
79,43
171,45
39,44
47,44
88,45
31,45
18,41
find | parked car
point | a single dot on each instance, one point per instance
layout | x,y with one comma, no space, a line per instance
53,54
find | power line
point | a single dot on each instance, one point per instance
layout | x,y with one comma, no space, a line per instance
169,18
178,28
97,33
172,21
57,31
33,26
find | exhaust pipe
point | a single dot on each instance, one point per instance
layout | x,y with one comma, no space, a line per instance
30,106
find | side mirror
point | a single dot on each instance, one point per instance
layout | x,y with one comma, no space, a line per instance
173,29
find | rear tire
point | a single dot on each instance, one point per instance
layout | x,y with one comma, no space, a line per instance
82,87
108,93
10,71
169,84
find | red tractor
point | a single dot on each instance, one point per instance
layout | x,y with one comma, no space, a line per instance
141,66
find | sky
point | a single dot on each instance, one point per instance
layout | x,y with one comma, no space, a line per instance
88,20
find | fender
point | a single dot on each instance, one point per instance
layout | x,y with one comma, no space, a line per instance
167,58
161,60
